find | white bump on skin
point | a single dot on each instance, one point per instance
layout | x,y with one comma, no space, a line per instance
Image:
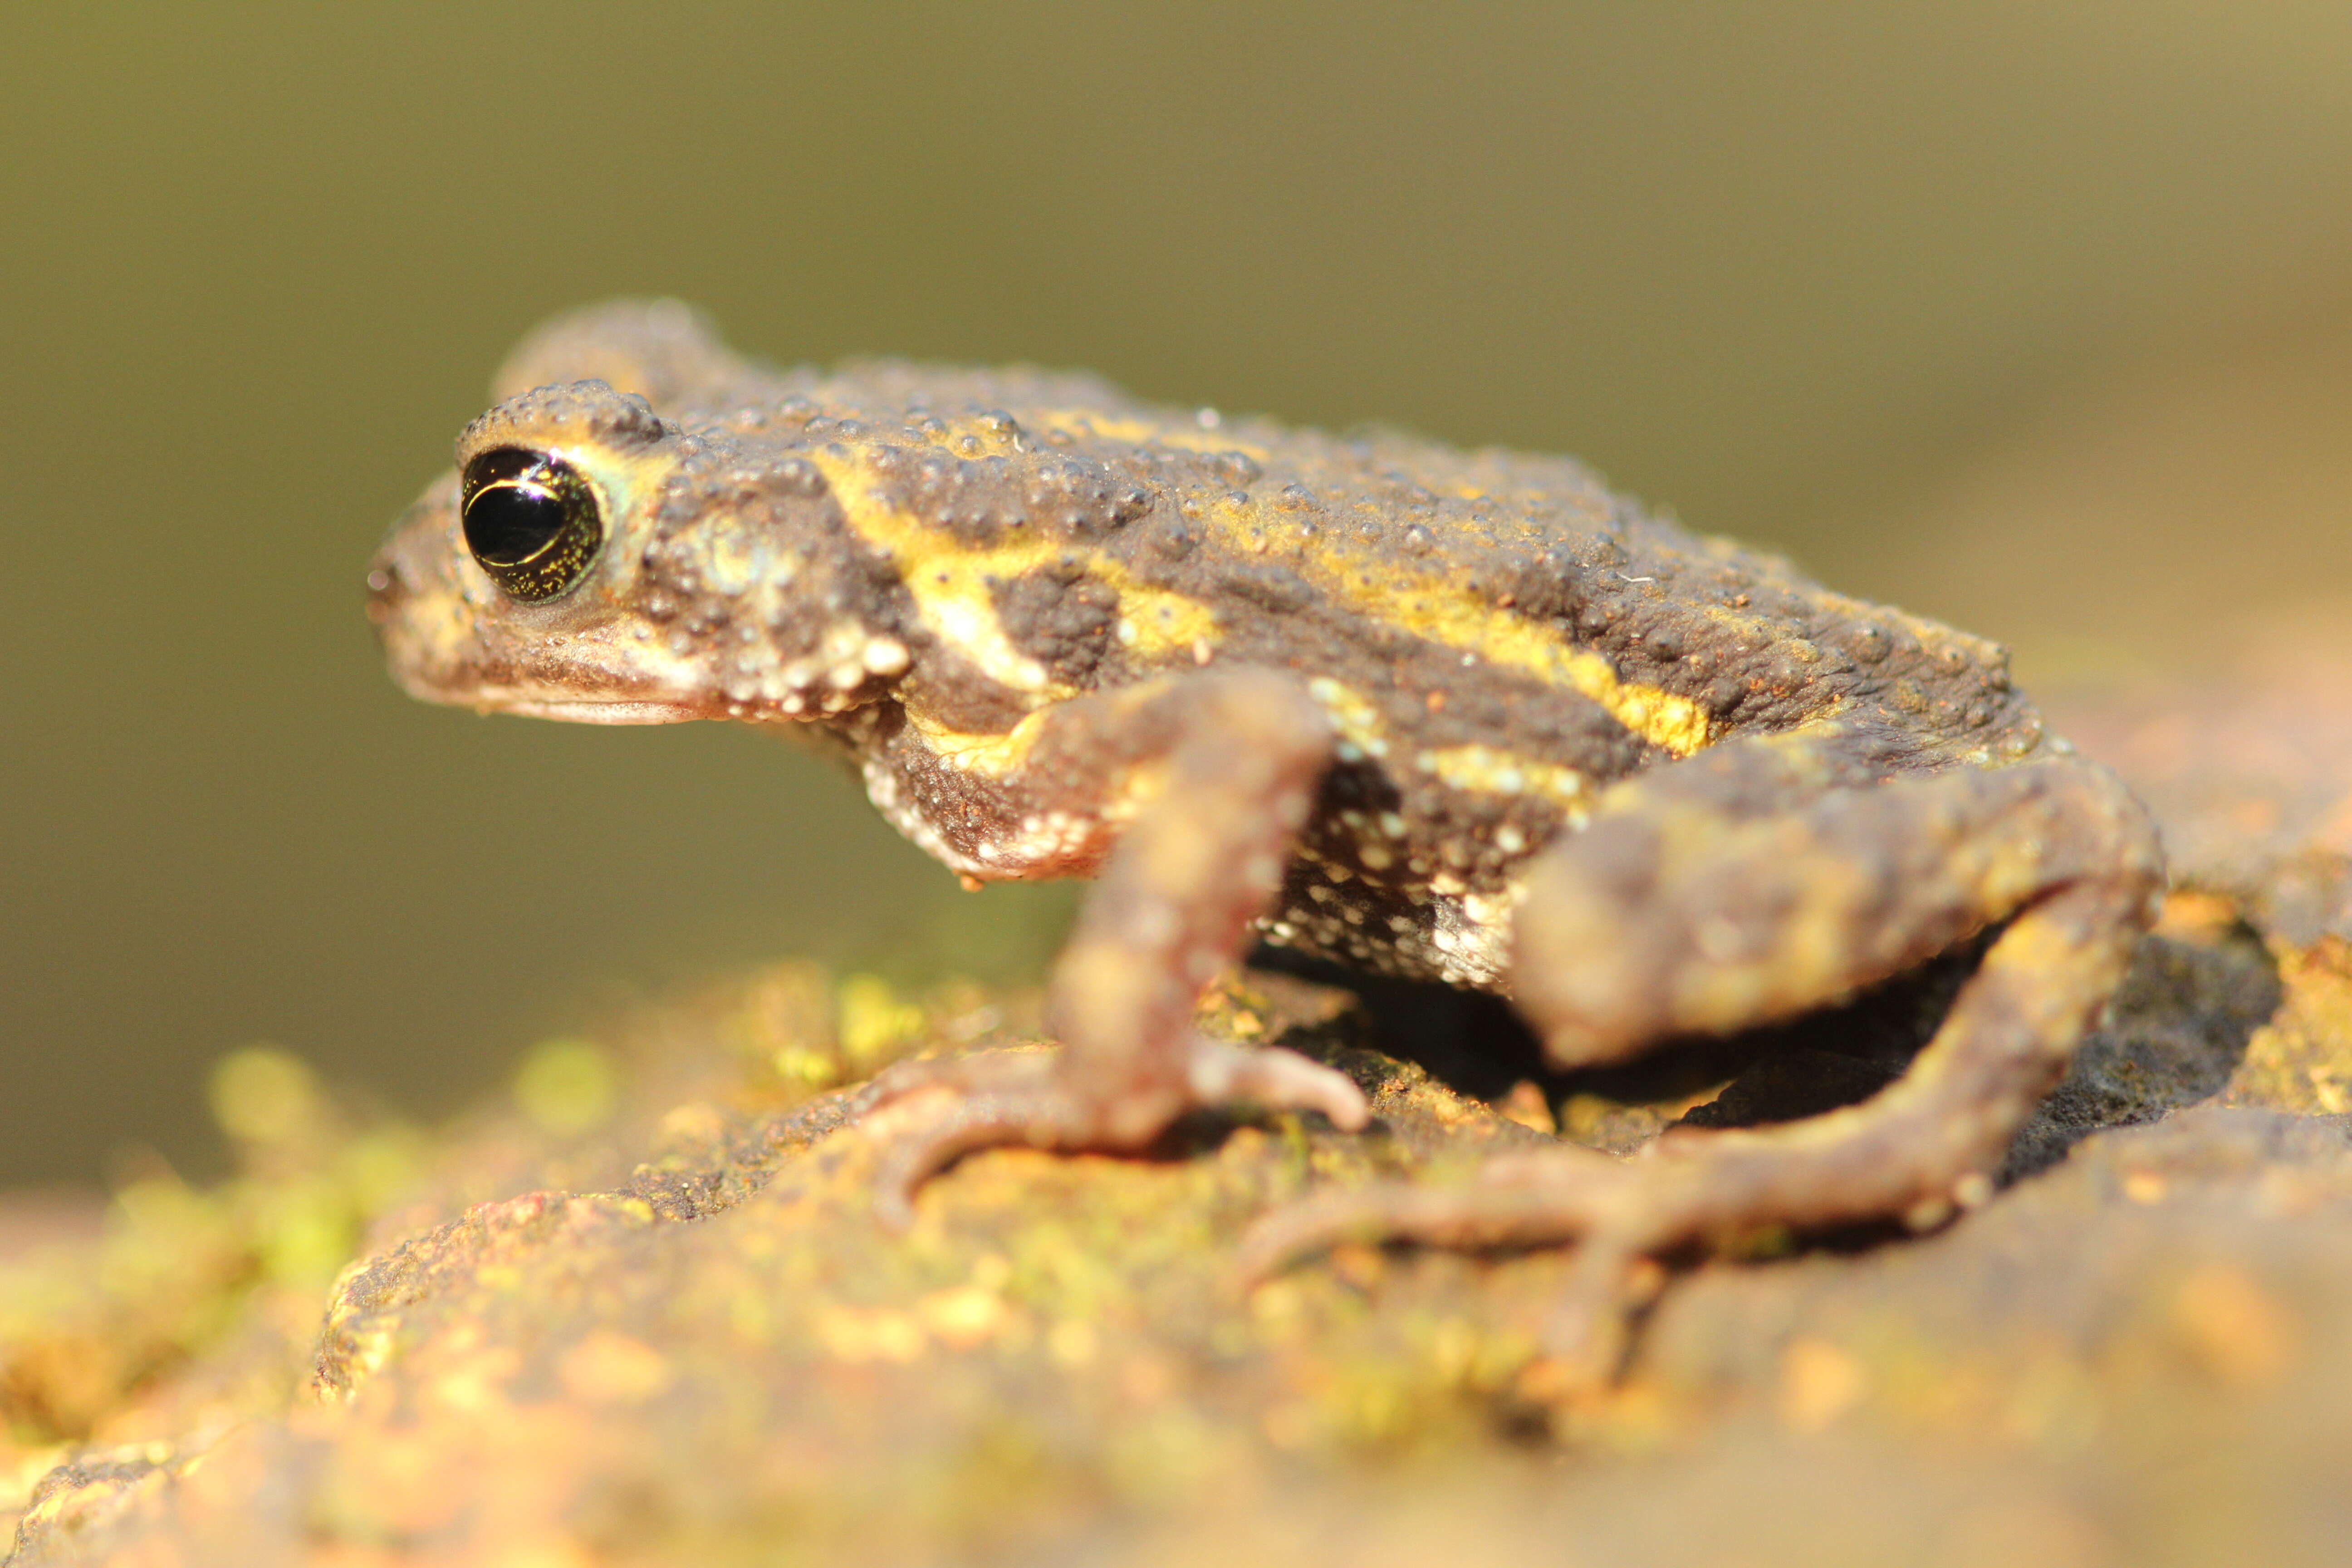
1468,938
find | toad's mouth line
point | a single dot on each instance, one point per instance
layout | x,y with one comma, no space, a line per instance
597,710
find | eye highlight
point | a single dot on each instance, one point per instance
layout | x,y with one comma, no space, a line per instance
531,521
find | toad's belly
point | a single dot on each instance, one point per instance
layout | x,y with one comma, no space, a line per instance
1406,932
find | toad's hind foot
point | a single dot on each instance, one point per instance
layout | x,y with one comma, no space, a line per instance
2056,850
1616,1212
1025,1098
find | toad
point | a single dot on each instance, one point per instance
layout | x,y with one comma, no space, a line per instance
1461,716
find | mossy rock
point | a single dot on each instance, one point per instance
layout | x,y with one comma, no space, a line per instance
643,1314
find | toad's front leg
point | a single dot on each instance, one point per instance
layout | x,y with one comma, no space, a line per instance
1228,765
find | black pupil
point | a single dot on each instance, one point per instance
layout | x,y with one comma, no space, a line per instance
531,521
508,525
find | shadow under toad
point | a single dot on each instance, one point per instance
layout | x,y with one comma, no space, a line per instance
2173,1036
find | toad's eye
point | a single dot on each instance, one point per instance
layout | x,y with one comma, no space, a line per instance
531,521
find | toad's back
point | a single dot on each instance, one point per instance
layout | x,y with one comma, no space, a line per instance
1112,536
931,562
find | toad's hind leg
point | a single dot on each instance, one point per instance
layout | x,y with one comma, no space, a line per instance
1768,882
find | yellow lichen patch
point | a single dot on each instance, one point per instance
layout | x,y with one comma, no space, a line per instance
567,1085
1456,616
872,1021
1488,769
611,1368
952,585
2301,1060
265,1096
2233,1326
877,1335
963,1317
1819,1382
130,1477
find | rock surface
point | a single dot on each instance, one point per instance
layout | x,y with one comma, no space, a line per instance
644,1316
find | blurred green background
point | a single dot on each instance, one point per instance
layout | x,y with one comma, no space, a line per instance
2038,317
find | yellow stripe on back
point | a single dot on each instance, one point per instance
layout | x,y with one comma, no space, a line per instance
951,582
1447,613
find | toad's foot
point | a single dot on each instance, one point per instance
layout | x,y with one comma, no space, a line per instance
1686,1190
1685,1193
1024,1097
1751,884
1223,764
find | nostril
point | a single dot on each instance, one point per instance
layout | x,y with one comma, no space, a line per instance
386,588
